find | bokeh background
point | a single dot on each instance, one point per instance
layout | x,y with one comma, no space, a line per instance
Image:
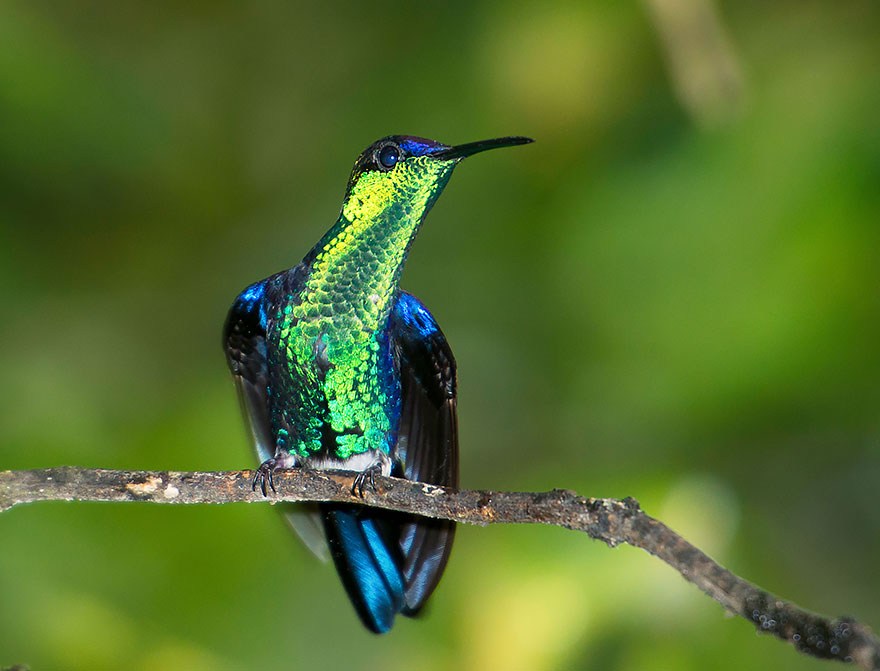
673,295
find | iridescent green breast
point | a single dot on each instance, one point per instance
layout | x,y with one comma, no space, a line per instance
341,375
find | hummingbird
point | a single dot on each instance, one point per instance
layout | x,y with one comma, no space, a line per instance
336,367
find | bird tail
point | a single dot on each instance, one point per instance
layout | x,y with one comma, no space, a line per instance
388,562
368,560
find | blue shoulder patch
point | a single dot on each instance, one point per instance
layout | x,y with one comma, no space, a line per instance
251,300
413,315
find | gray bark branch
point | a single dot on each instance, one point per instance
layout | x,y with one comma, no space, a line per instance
612,521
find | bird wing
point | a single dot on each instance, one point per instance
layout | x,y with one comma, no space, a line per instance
427,447
244,339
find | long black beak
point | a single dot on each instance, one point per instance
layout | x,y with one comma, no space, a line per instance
471,148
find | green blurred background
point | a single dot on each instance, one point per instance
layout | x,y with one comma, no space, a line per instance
673,295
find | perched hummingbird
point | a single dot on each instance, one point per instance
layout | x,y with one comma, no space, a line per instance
337,368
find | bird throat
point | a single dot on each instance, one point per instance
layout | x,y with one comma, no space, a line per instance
334,333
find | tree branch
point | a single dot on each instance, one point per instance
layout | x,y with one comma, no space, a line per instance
613,521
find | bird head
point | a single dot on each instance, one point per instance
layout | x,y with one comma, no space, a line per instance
401,175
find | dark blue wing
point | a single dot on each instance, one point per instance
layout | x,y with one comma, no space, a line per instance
244,339
427,448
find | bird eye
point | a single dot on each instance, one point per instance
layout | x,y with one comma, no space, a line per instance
388,157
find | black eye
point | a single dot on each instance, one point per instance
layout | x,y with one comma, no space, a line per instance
389,155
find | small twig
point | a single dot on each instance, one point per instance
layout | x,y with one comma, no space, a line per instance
613,521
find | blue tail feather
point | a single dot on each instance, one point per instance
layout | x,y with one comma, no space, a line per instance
368,562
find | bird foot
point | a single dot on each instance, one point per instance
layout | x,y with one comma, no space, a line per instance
364,478
265,473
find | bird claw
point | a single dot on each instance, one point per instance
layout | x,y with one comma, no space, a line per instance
264,474
367,476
